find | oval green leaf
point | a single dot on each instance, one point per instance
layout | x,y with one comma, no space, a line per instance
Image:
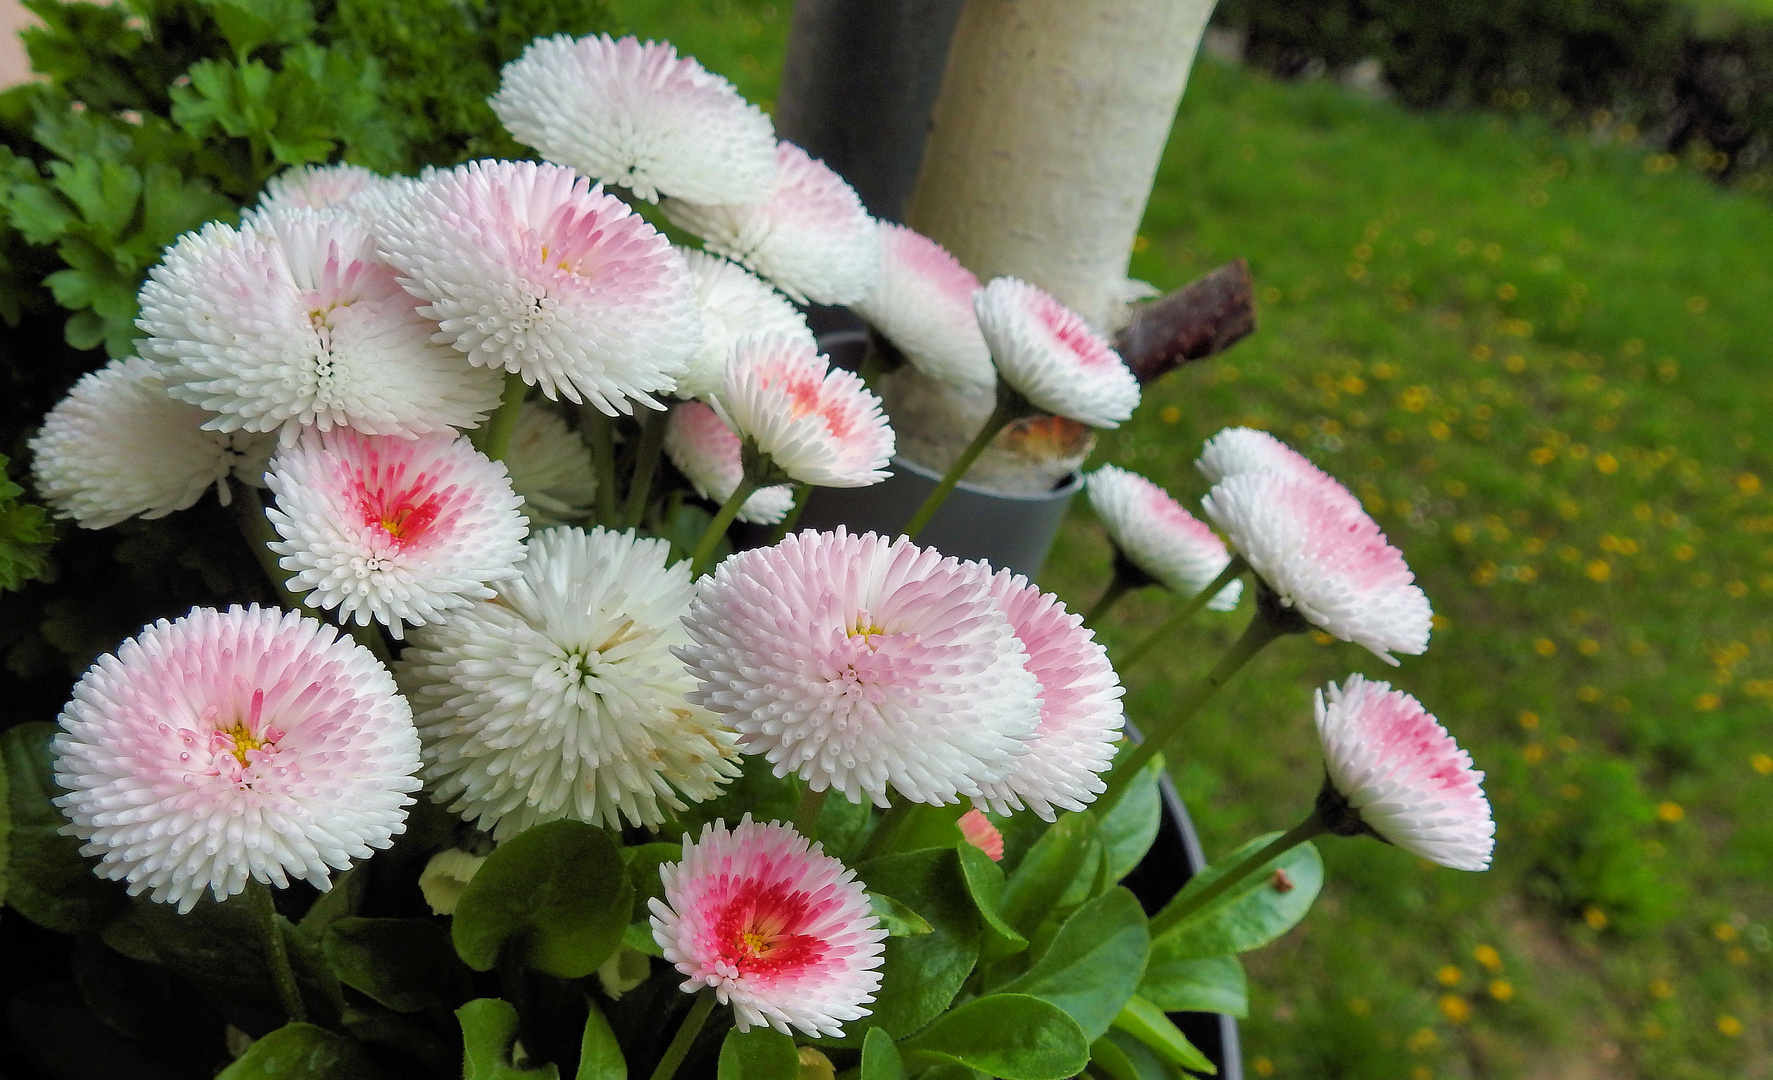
759,1054
48,881
1010,1036
1251,913
557,893
1066,852
1093,966
303,1052
1208,984
405,964
1148,1024
600,1056
880,1058
489,1028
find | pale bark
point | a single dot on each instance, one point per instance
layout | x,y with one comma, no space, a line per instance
1046,138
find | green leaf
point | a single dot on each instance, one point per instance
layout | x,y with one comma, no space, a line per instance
1147,1063
1204,984
248,24
600,1057
920,975
1047,873
985,883
405,964
558,893
303,1052
926,826
489,1028
343,899
1251,913
880,1058
38,213
899,920
763,1053
1011,1036
643,862
1131,825
1107,1058
48,882
103,193
25,539
1093,966
1147,1023
5,832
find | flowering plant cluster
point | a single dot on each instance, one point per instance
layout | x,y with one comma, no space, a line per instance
528,771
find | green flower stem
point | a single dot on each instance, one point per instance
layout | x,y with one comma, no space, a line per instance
646,466
806,815
1173,915
1010,406
886,833
1232,570
686,1036
264,910
717,528
496,435
599,433
1259,633
1118,587
801,493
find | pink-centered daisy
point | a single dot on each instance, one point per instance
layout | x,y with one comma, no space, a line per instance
399,530
227,745
528,268
735,303
1049,355
1324,558
1241,449
639,116
1080,709
862,664
706,452
293,321
1158,537
811,237
325,187
818,424
977,830
923,303
781,931
1393,770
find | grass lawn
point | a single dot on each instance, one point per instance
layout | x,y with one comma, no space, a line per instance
1541,365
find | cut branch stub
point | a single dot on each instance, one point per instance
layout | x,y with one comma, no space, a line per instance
1204,317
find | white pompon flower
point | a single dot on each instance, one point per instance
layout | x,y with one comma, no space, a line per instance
735,303
550,469
783,933
706,452
1391,763
818,424
923,303
1049,355
403,531
1241,449
227,745
562,699
325,187
293,321
528,268
639,116
1160,538
119,446
861,663
1080,709
811,237
1324,558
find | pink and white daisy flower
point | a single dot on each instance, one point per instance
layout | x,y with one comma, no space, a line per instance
706,452
639,116
1240,450
1324,558
782,932
226,745
811,236
977,830
562,699
294,321
923,303
325,187
735,303
818,424
1080,709
399,530
1158,537
119,446
1049,355
1391,763
528,268
861,663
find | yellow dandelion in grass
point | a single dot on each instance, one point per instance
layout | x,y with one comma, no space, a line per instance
1422,1072
1729,1026
1653,1029
1455,1008
1567,744
1736,589
1489,957
1439,622
1501,989
1533,753
1761,763
1588,646
1360,1006
1685,552
1724,932
1670,812
1529,720
1545,647
1515,363
1262,1067
1572,793
1589,694
1599,570
1422,1040
1707,701
1661,989
1748,483
1449,975
1170,414
1594,917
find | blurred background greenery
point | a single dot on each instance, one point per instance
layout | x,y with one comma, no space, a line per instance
1534,344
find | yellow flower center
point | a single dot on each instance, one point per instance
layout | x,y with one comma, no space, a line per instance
243,741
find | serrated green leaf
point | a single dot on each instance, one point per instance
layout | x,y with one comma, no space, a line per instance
600,1056
1093,965
249,24
406,964
558,893
39,214
1198,984
1251,913
1010,1036
763,1053
48,881
103,193
1148,1024
489,1028
899,920
303,1052
25,536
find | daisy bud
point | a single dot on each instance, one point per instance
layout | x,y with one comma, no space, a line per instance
816,424
639,116
811,236
1393,771
1323,558
923,303
233,744
861,663
528,268
734,303
398,530
978,831
779,930
1049,355
706,452
1159,538
119,446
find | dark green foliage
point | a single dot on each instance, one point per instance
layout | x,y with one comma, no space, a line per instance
25,536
